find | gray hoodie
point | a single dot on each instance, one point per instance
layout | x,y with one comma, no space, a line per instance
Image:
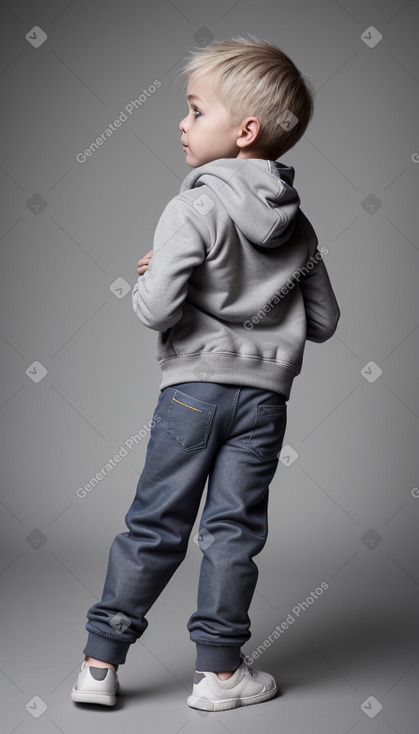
236,284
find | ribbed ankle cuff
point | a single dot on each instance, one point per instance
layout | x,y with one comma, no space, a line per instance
105,649
217,658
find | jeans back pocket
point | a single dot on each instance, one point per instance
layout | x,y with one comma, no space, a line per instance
189,421
268,432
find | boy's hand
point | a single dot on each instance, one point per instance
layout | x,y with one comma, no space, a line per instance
144,262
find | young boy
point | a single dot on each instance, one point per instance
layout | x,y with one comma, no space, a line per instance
234,286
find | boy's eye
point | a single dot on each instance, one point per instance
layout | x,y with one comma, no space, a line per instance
196,112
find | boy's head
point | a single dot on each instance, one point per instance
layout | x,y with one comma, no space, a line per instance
246,99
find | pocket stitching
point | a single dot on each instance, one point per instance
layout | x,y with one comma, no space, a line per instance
210,413
187,406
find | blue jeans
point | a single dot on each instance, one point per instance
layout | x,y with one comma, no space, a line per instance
230,435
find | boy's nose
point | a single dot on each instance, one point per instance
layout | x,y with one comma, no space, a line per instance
182,125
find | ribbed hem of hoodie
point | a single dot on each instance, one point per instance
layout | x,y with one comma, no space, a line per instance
227,369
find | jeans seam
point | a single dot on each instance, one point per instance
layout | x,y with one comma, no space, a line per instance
233,411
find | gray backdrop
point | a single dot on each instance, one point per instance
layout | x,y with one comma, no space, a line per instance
80,379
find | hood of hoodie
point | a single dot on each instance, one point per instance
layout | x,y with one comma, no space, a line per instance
257,194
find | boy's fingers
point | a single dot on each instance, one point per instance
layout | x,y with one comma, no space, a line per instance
143,264
142,269
144,260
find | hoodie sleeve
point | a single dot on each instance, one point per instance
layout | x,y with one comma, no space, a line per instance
321,307
180,244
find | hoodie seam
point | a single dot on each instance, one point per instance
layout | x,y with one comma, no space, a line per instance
283,220
306,238
218,204
201,216
196,212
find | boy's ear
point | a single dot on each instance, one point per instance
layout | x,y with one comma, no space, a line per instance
248,132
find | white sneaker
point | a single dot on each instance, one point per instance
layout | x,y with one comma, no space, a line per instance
244,687
95,685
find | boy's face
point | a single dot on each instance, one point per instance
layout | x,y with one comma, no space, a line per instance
207,131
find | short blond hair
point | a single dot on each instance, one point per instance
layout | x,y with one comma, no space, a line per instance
252,77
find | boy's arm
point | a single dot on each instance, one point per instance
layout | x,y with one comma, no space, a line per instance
322,310
180,244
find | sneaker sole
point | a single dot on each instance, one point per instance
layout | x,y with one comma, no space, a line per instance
229,703
105,699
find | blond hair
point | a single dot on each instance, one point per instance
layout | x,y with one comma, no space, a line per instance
252,77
